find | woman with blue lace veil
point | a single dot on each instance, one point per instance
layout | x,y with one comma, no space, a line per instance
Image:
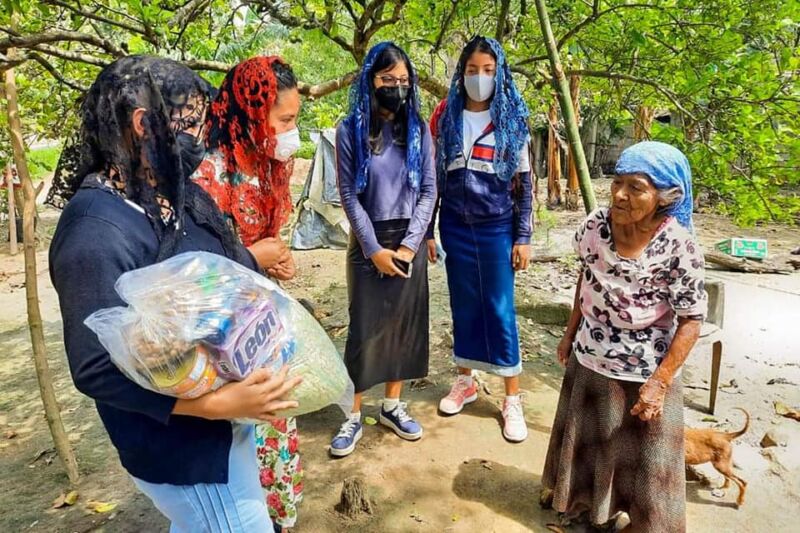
386,175
485,205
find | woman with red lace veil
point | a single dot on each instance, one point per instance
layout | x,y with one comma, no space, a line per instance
251,141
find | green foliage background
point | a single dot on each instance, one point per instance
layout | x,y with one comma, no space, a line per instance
727,68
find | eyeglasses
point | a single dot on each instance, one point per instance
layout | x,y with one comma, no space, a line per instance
391,81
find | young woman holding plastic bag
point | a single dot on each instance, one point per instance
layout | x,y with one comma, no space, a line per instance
384,159
134,206
252,138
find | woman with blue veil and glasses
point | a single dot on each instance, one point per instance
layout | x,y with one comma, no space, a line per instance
485,223
386,175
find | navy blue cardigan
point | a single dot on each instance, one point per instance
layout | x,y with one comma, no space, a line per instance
100,236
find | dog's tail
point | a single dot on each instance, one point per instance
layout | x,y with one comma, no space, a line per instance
736,434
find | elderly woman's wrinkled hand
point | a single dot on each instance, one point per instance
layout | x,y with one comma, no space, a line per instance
564,350
651,400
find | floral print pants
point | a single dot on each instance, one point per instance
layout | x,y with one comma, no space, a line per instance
280,469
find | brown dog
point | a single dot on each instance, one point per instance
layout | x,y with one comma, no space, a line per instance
711,446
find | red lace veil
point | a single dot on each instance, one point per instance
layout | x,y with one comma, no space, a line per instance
238,126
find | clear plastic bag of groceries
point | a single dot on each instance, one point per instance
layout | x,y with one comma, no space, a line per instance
198,320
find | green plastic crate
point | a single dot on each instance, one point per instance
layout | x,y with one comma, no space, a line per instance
741,247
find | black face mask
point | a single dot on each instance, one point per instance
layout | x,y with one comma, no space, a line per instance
192,152
392,98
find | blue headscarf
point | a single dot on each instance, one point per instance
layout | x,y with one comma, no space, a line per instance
358,120
667,167
508,111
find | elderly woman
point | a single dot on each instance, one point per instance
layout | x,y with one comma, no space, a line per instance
617,440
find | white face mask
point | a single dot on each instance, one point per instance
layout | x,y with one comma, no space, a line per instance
288,143
479,87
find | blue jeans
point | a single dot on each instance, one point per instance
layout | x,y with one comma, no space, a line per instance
233,507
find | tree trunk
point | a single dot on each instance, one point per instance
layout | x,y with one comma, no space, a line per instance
572,169
553,160
538,154
51,410
12,212
562,89
500,31
643,123
538,163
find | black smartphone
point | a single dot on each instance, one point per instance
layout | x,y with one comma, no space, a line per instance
404,266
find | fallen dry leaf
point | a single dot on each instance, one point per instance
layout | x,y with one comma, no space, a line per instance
65,500
101,507
784,410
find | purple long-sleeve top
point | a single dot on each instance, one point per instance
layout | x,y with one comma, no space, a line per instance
388,194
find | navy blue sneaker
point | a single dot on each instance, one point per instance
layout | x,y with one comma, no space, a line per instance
345,441
399,421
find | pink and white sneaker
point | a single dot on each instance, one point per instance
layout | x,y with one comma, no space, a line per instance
464,391
514,427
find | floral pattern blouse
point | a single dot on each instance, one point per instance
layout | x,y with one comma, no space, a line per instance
629,306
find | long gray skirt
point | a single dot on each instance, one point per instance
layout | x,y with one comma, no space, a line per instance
601,460
388,335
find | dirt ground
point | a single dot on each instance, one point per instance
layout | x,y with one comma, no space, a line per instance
461,476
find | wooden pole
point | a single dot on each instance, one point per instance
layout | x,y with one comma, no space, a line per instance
591,144
572,169
643,123
553,159
562,89
12,212
51,409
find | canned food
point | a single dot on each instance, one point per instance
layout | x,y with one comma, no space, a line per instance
194,377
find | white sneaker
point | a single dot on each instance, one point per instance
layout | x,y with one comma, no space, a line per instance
514,427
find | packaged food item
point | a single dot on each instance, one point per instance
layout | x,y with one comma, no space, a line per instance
198,320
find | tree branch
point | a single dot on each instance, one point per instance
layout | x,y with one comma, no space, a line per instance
188,12
369,12
70,56
349,7
201,64
445,25
590,19
54,36
433,86
671,96
312,22
94,16
376,26
328,87
8,62
53,72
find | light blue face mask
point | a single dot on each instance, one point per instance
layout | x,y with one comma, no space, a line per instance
479,87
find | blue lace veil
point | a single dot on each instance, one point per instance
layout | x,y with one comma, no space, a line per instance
508,111
358,119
